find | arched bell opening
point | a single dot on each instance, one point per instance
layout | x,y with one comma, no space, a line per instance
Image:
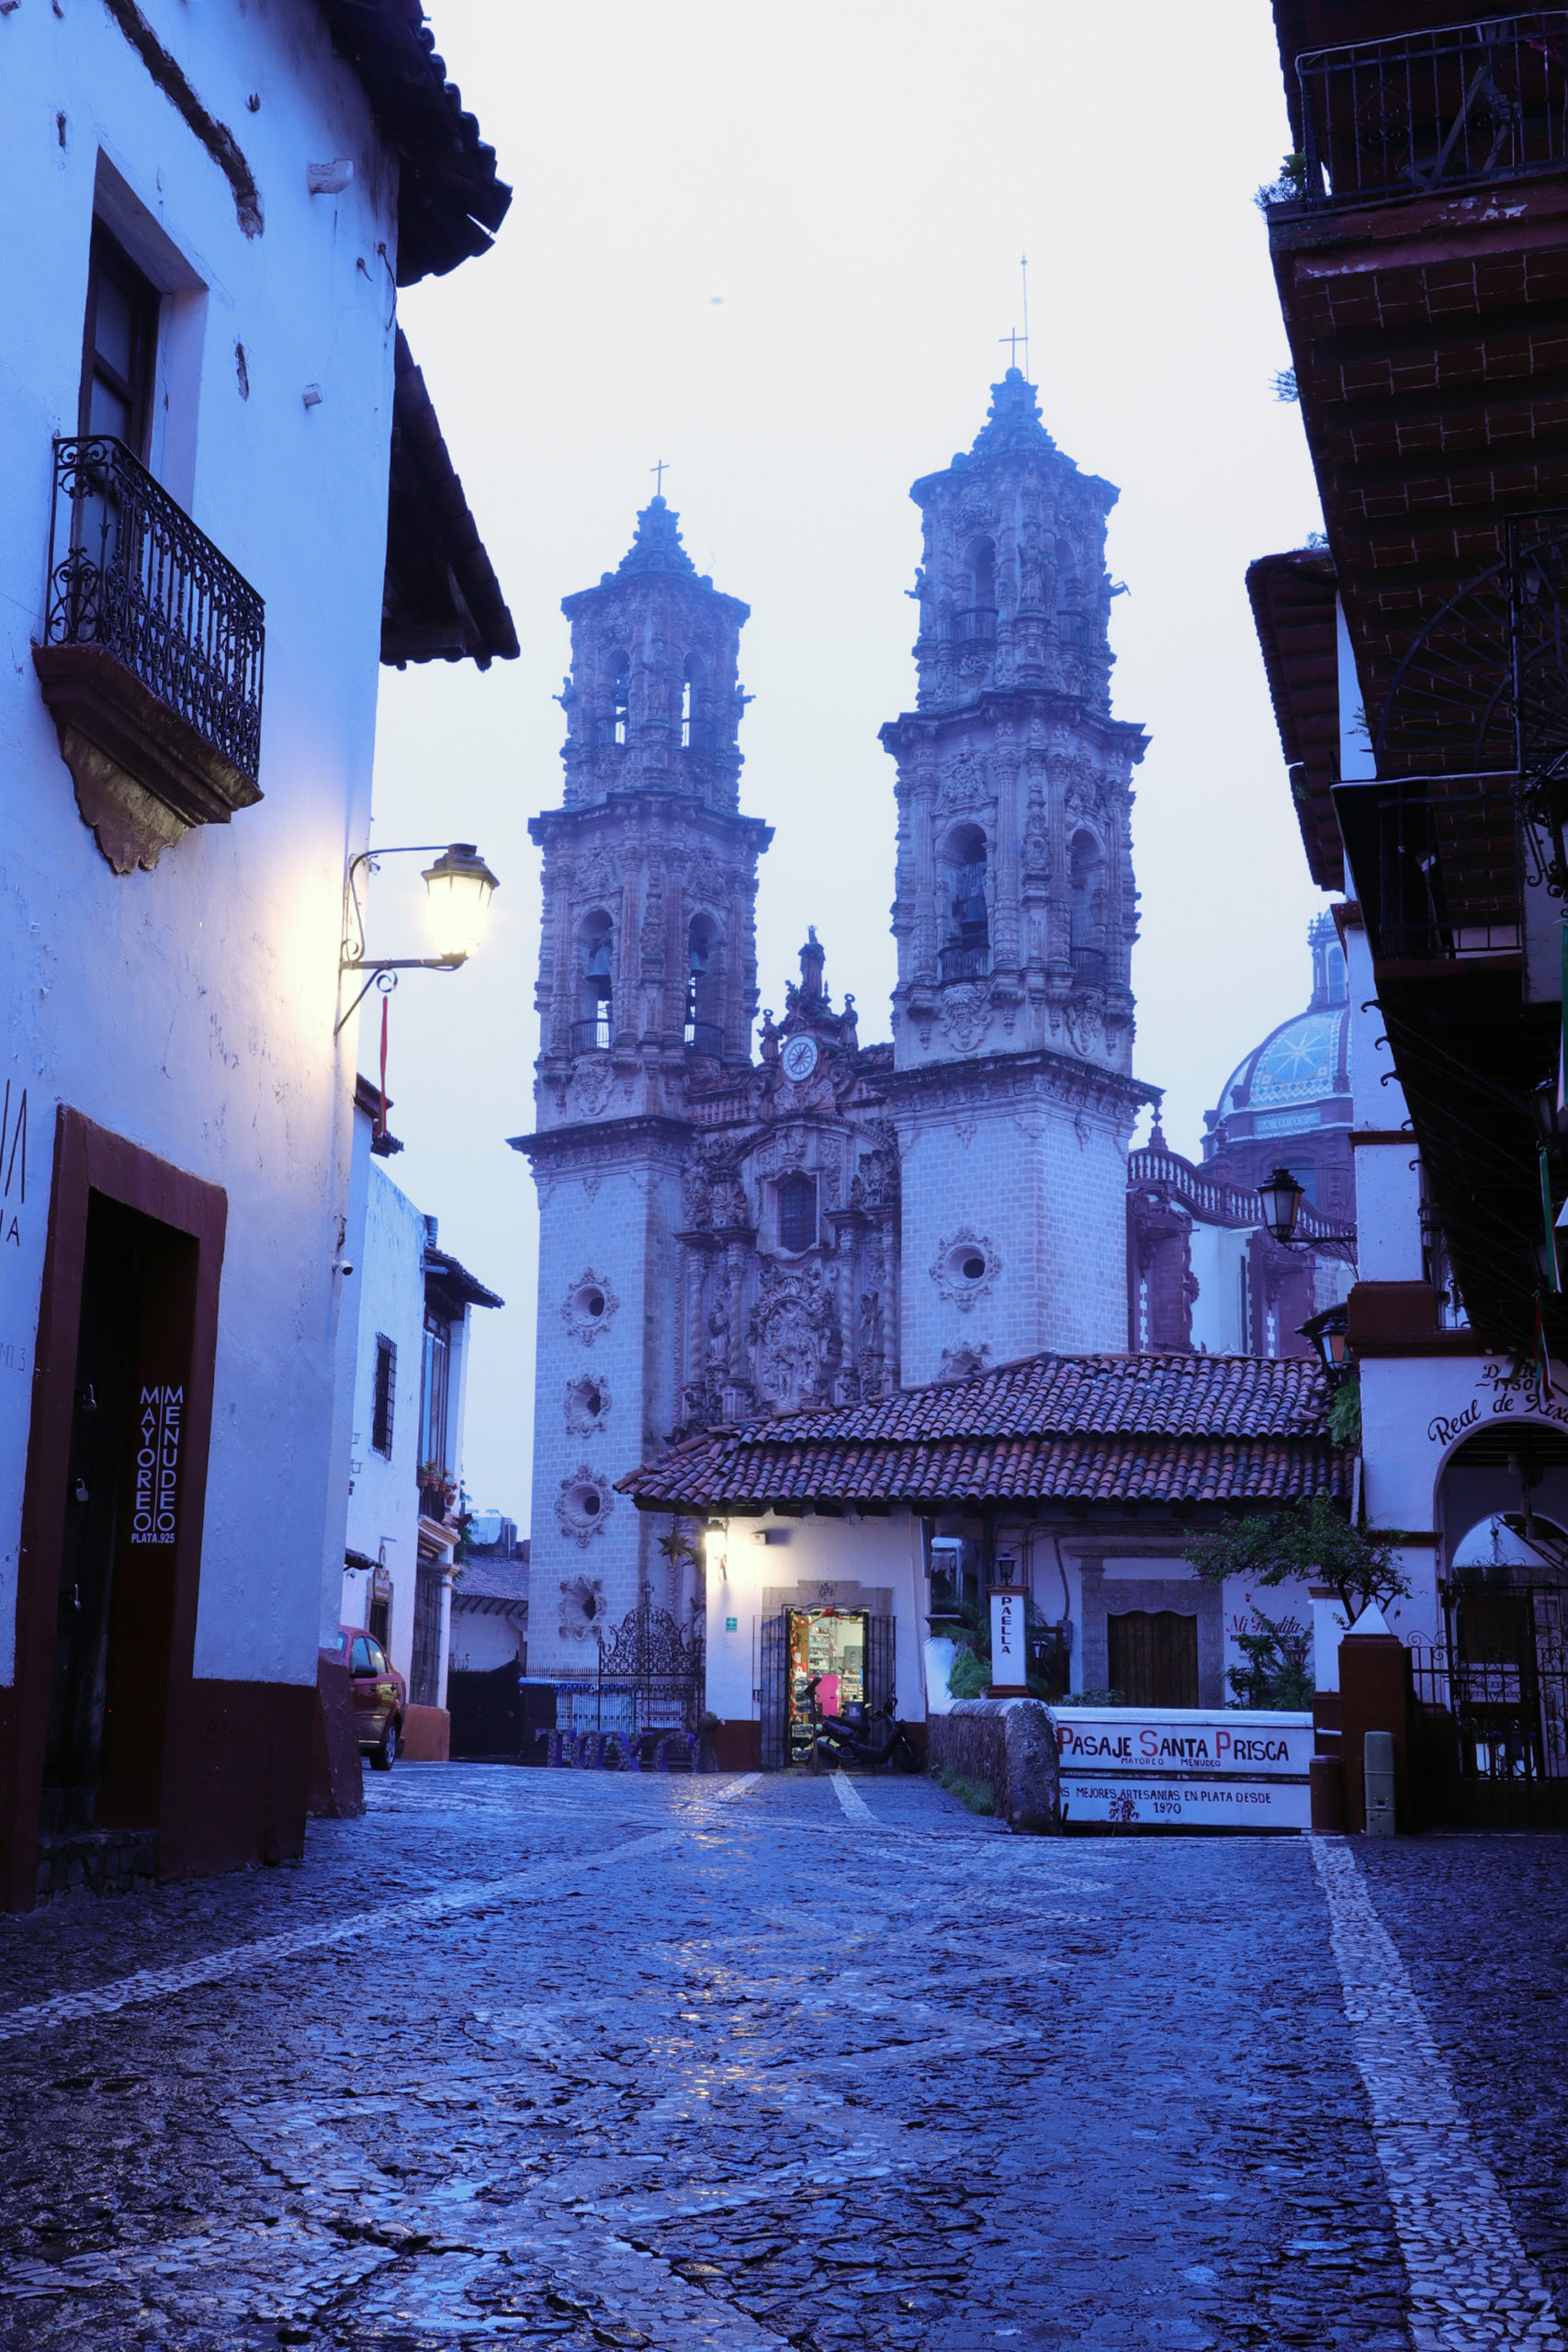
967,949
1089,918
592,1029
976,619
704,986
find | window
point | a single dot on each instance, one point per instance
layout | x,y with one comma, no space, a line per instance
703,1025
978,618
621,695
378,1656
592,1028
965,954
686,712
381,1621
797,1213
432,1394
1090,932
118,346
385,1394
424,1676
359,1657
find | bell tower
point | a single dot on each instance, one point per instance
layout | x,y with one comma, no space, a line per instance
1015,913
647,993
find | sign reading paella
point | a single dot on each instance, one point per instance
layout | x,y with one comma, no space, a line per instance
1185,1768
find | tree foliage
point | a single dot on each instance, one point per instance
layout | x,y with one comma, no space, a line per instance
1306,1541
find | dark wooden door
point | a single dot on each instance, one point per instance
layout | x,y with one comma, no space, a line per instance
1153,1657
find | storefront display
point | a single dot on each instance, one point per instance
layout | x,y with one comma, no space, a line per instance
830,1644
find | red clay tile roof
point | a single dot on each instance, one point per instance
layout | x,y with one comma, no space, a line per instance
1094,1429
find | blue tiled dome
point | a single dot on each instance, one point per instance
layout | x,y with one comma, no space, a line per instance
1302,1060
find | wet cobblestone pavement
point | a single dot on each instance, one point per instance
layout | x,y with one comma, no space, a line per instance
588,2060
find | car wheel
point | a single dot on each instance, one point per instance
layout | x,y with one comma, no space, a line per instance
382,1759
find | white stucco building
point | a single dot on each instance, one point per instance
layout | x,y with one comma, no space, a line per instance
205,551
412,1311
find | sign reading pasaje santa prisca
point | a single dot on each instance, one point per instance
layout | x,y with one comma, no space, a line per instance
1185,1768
157,1464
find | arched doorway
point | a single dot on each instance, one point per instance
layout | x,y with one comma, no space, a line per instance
1503,1516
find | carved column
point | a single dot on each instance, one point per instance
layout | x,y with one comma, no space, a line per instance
1005,939
922,819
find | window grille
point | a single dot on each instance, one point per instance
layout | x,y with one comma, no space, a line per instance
385,1394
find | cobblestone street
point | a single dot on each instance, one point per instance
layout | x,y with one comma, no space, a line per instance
738,2064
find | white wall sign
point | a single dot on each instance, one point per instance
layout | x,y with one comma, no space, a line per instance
1185,1768
1009,1664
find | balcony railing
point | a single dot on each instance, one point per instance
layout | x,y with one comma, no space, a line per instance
1426,112
1435,863
961,963
705,1037
593,1036
1091,966
129,572
976,624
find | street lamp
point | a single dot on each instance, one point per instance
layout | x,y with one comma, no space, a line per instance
458,886
1327,1333
1282,1197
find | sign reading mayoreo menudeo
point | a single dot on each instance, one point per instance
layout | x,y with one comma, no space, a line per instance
1185,1768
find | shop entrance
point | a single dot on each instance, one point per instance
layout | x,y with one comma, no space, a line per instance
831,1643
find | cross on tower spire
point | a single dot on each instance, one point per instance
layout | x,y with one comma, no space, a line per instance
660,470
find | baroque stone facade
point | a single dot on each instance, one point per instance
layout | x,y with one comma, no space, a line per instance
726,1235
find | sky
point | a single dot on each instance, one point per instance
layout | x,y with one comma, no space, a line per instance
779,249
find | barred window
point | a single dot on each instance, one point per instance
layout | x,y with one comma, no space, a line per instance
385,1394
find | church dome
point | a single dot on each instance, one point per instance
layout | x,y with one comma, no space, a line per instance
1301,1061
1304,1062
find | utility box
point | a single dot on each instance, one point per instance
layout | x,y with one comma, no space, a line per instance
1377,1771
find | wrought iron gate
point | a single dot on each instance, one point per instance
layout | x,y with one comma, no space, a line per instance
773,1694
651,1661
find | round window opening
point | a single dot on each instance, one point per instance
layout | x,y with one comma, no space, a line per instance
593,1400
589,1504
965,1263
590,1302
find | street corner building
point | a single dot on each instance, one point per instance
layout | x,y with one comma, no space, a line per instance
224,501
846,1540
1418,233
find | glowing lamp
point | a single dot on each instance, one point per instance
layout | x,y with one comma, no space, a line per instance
460,886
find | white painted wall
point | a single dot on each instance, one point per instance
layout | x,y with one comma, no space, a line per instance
482,1639
1218,1255
383,1507
191,1010
741,1567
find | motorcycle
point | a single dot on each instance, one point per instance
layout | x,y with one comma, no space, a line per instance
862,1737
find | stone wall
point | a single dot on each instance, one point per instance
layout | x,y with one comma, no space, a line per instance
1011,1744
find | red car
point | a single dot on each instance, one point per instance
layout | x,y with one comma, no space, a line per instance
381,1695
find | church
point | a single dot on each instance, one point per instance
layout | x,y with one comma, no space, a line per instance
732,1230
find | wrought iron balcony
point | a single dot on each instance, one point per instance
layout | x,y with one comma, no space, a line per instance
1091,966
152,656
593,1035
1436,862
1423,113
128,570
705,1037
964,962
